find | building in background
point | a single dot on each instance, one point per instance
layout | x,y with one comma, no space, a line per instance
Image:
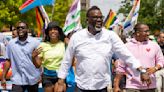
85,4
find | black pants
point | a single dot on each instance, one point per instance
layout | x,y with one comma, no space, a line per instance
23,88
137,90
101,90
48,81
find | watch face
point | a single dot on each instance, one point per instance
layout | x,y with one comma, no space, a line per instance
143,71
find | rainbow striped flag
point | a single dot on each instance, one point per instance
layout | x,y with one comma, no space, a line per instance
29,4
40,21
131,20
111,20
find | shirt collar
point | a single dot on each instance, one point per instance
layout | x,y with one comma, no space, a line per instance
24,42
91,35
133,40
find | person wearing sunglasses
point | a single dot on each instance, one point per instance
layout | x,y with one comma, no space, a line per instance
25,76
93,48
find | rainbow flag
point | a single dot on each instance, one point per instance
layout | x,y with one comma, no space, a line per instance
111,20
131,20
40,22
29,4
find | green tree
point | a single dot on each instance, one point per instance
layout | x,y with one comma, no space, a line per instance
10,15
60,12
61,9
83,18
150,13
9,12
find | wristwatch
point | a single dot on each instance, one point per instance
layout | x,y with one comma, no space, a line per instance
143,70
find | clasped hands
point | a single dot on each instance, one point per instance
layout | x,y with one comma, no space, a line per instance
145,77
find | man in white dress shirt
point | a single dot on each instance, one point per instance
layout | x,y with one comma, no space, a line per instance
93,47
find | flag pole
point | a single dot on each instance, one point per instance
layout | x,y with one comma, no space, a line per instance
44,13
53,8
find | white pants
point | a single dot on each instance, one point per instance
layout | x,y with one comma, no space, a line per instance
159,75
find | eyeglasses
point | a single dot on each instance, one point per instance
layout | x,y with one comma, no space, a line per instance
96,17
21,27
146,31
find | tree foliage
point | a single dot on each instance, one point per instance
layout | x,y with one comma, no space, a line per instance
61,9
9,12
151,12
83,18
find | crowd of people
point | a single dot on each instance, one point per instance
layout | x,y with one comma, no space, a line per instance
88,55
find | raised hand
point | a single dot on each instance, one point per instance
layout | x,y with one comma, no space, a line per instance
36,52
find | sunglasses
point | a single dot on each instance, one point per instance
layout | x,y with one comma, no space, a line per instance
21,27
97,17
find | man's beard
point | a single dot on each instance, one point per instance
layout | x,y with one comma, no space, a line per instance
98,29
93,27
